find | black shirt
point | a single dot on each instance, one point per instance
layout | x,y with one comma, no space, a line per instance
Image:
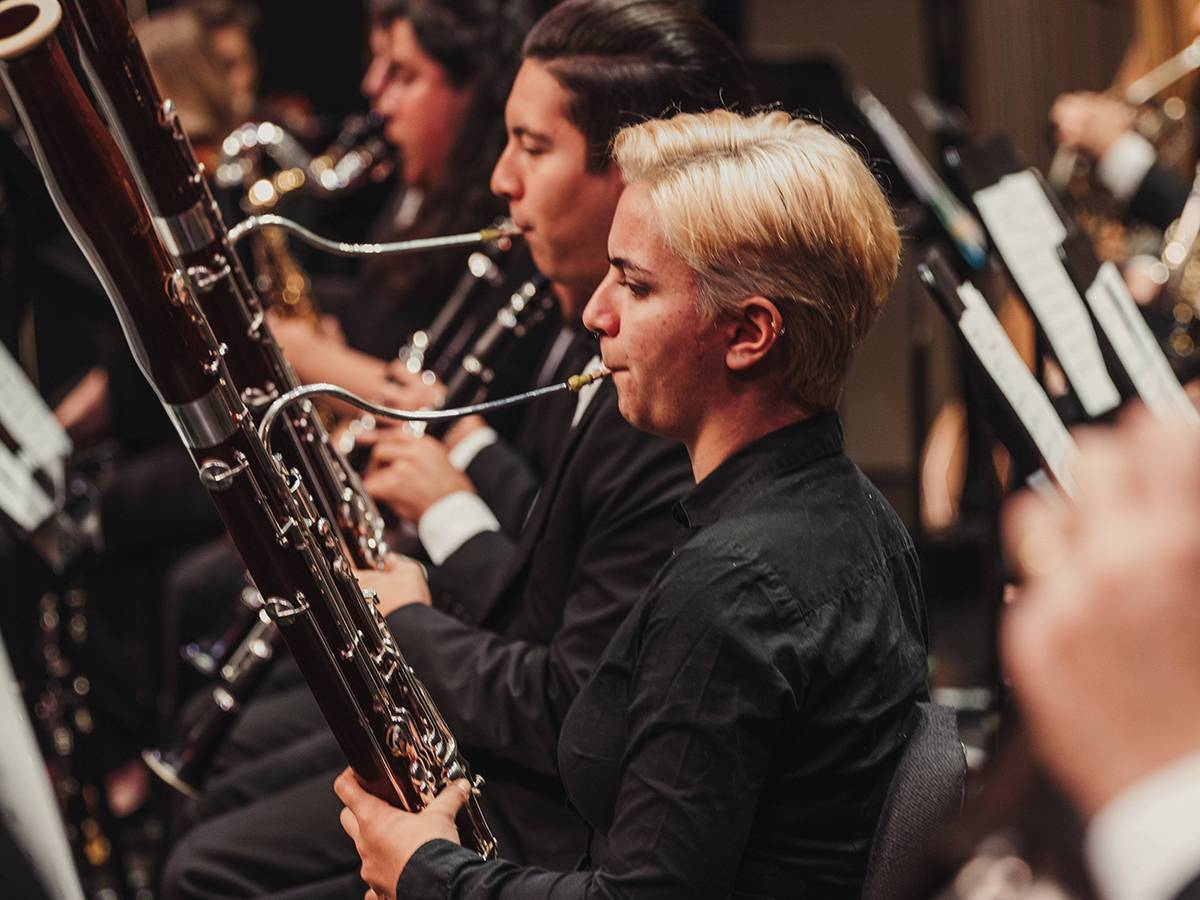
740,733
519,625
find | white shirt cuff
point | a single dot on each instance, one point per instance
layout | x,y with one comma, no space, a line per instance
1144,844
468,448
1123,168
451,522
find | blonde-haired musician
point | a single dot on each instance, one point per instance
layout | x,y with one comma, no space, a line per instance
739,735
777,207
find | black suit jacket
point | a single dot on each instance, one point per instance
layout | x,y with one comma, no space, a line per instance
508,476
508,483
516,630
1192,891
1160,197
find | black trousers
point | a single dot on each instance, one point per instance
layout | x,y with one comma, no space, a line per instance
200,596
268,821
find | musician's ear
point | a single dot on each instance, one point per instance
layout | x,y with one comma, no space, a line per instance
752,331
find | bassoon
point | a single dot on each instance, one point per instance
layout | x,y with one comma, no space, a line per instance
381,715
189,223
185,762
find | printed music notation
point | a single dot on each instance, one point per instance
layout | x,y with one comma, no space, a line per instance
991,345
1134,344
23,413
21,497
1027,232
34,442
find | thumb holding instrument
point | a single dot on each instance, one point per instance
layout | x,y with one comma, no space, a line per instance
387,837
402,582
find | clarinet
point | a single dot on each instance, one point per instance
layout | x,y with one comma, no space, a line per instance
429,348
188,221
527,308
435,349
382,716
184,763
207,656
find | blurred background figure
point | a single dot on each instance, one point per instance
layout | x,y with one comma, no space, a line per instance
1106,128
232,30
438,78
189,70
1100,646
1125,166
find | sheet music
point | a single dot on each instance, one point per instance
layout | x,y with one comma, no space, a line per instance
26,801
1137,349
21,497
1027,231
1003,363
43,441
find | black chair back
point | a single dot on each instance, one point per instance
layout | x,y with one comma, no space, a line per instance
929,784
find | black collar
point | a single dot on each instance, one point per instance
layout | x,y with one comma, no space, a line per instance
791,447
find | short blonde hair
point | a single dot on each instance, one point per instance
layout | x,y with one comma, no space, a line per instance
774,206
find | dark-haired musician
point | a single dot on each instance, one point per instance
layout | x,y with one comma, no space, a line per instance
440,72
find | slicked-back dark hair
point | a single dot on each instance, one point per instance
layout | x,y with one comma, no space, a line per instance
625,61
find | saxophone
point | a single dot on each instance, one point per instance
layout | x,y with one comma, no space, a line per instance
357,154
392,734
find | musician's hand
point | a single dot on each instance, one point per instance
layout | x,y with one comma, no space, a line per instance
1192,389
401,582
1100,644
298,338
410,395
414,395
329,327
398,372
1090,122
409,391
410,473
387,837
86,411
